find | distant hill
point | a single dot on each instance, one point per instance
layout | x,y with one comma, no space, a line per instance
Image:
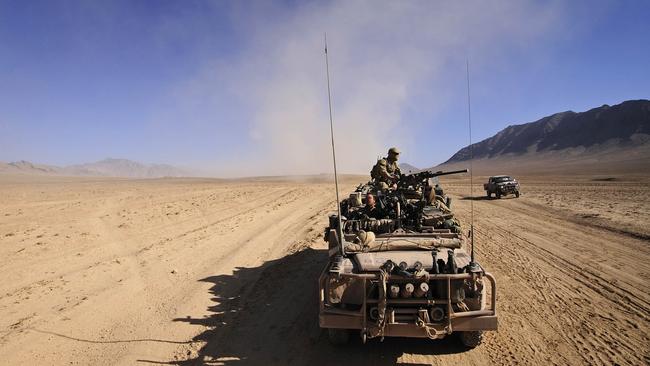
26,167
615,137
125,168
406,168
106,168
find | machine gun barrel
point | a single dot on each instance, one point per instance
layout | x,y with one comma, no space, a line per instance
439,173
430,174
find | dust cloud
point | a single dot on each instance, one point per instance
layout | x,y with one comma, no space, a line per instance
383,57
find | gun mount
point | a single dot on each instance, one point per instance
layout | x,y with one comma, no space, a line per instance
421,178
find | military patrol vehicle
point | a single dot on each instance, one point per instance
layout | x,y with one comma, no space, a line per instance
399,266
501,185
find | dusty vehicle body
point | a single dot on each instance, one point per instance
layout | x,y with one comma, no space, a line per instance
411,277
501,185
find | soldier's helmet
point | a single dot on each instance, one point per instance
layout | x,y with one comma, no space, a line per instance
382,162
393,151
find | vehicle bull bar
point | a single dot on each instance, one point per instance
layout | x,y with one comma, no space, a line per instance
474,320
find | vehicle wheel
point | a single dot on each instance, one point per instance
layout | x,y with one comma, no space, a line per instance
471,339
517,194
338,337
498,194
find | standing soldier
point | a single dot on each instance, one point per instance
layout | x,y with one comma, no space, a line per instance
386,172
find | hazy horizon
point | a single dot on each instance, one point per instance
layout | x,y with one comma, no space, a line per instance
238,88
194,172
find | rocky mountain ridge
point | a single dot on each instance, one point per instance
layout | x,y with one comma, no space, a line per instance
607,127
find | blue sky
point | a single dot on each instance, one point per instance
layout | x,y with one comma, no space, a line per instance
238,88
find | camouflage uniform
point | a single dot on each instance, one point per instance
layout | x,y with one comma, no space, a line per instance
386,172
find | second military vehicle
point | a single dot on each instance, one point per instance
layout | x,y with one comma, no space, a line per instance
501,185
399,266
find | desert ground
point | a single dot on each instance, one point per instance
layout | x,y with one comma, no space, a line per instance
220,272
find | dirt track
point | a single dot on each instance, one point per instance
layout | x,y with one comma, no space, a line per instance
206,272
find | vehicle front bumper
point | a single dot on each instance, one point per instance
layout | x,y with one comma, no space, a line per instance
478,320
508,189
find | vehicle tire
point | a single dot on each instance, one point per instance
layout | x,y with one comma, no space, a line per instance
517,194
471,339
498,194
338,337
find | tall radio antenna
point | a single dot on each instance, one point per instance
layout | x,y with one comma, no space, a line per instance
472,265
336,178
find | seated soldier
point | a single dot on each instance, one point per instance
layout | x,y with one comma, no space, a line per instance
386,172
371,210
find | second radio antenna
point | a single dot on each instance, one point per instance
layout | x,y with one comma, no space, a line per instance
336,177
473,266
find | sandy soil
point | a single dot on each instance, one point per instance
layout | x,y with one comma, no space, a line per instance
190,272
618,204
